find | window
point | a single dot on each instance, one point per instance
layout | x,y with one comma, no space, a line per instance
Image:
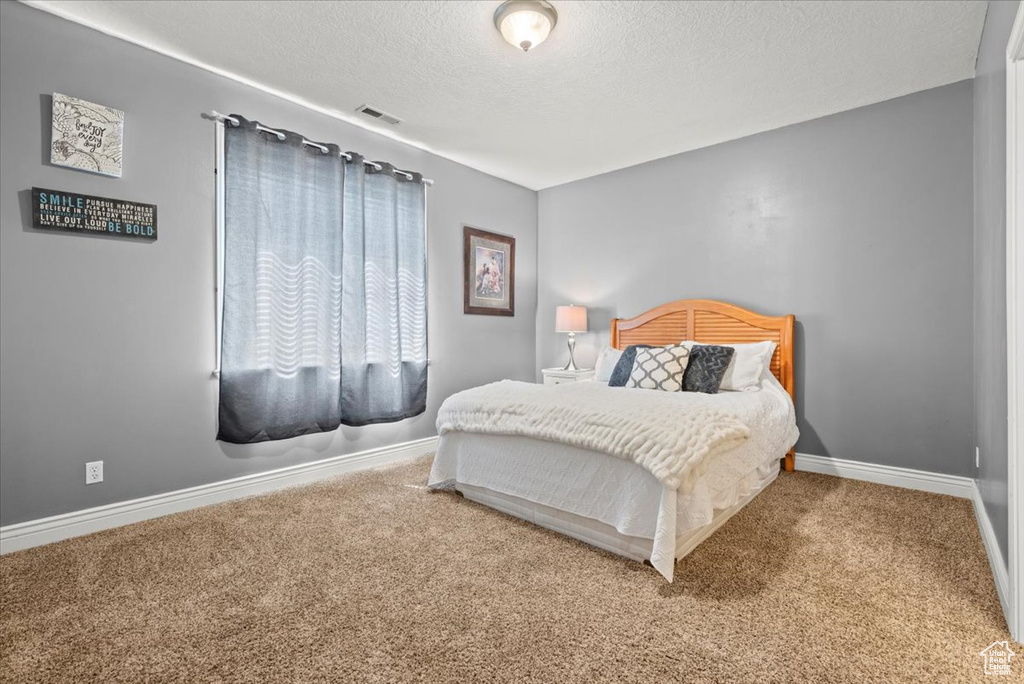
323,281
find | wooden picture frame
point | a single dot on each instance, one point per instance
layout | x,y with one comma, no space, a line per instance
489,273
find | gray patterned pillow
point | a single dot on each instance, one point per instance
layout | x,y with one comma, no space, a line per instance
706,368
625,365
659,368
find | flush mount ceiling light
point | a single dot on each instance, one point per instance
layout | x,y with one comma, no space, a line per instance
525,23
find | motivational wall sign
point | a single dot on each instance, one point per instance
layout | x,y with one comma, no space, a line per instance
74,213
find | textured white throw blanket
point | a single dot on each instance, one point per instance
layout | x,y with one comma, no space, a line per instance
668,433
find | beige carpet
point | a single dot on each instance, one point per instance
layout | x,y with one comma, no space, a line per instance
371,578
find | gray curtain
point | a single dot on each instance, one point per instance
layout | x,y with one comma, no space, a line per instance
324,317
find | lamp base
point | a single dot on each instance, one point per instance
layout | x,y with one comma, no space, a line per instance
571,366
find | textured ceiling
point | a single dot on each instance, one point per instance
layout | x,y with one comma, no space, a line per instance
616,84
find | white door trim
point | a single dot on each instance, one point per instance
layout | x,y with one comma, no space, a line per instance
1014,319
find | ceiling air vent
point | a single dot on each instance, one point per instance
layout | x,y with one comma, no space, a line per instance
377,114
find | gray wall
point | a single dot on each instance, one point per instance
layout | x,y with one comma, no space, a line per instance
857,223
106,347
990,406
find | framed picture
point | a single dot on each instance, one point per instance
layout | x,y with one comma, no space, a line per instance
86,136
489,261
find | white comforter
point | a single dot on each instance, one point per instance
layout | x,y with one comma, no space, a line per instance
650,510
670,434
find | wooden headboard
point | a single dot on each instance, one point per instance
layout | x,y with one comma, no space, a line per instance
711,322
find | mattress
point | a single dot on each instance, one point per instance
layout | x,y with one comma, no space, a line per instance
624,499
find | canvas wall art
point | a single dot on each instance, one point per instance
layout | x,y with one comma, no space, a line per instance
489,261
86,136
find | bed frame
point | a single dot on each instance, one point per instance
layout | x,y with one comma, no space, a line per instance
713,322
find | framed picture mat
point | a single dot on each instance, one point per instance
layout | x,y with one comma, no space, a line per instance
508,244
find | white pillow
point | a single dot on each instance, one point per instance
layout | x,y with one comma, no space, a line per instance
659,368
747,366
606,361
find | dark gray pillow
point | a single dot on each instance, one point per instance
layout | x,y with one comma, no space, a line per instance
625,365
706,369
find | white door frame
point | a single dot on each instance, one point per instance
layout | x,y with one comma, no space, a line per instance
1015,318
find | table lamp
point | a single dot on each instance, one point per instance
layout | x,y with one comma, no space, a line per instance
571,319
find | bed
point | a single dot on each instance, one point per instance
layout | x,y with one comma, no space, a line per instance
601,498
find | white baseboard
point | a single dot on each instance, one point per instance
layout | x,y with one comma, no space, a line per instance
908,478
48,530
995,555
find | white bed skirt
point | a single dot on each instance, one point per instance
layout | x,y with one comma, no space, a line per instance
603,535
608,502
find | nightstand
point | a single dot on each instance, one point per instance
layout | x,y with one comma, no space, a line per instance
558,376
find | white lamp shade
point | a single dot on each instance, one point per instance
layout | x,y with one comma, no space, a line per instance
571,319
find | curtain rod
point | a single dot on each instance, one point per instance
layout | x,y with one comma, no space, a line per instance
222,118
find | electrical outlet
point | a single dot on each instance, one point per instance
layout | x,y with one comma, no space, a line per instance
977,457
93,472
